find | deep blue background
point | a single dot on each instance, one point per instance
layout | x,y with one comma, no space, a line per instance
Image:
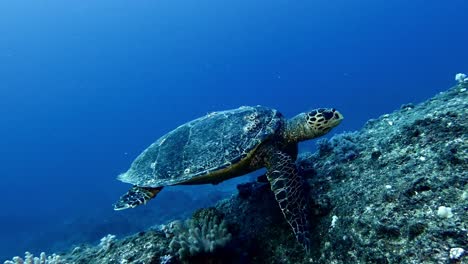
86,85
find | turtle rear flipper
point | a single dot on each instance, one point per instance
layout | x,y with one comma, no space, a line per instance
135,197
288,188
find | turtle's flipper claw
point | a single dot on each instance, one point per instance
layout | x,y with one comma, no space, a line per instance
135,197
120,206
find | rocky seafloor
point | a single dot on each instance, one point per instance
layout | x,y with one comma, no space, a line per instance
394,192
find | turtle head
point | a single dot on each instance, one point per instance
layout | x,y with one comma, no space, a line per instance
312,124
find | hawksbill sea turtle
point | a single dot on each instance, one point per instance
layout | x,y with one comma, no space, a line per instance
227,144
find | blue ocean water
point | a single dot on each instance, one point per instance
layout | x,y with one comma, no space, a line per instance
85,86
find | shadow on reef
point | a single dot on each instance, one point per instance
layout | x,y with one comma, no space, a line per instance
394,192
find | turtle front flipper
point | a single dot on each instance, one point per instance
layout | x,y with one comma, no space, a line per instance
135,197
289,192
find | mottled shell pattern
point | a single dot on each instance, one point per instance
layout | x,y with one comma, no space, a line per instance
211,143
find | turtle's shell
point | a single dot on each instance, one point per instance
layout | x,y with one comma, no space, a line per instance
205,148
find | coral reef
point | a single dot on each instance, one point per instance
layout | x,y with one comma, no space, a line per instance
410,163
199,239
461,78
394,192
30,259
194,238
